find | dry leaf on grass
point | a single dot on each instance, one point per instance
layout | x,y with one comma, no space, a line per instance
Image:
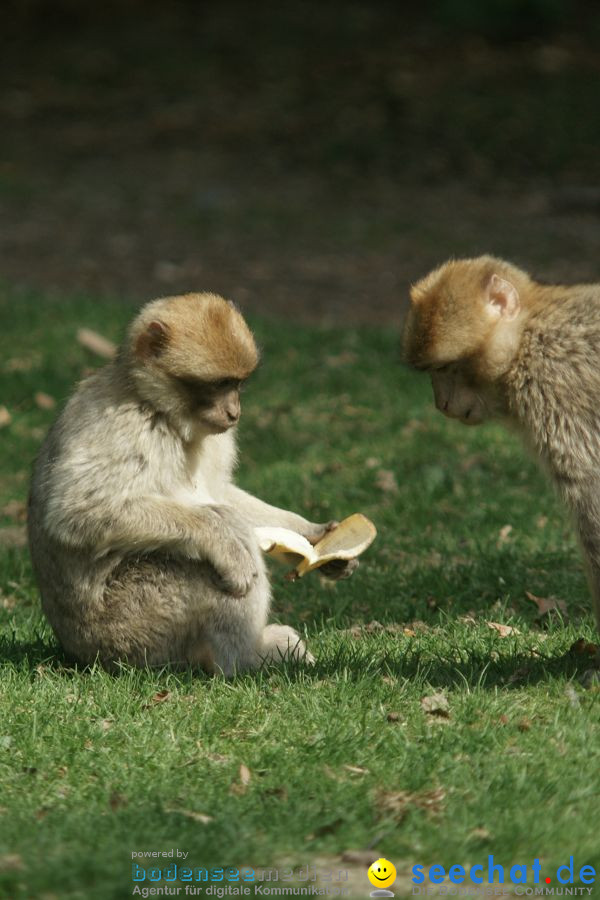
7,601
386,481
13,536
504,535
240,787
11,862
15,509
44,401
346,358
480,834
399,803
21,363
95,342
159,697
546,604
5,417
436,705
581,647
503,630
190,814
355,770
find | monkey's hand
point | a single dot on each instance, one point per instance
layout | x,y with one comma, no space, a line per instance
234,571
338,569
314,531
234,568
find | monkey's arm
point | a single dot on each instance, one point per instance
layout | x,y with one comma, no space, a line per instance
257,513
147,524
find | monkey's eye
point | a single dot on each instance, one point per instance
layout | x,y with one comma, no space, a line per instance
227,384
191,383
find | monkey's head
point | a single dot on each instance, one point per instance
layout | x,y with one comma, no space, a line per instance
464,327
189,356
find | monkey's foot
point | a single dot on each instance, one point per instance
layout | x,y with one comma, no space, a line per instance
280,642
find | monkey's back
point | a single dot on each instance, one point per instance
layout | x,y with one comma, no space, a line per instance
554,382
94,460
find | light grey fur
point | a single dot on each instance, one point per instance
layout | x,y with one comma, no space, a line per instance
143,549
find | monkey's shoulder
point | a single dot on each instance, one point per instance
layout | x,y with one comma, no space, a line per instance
107,440
565,334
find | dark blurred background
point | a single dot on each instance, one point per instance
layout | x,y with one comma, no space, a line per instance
305,158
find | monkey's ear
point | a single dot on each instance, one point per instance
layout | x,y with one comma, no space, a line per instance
503,299
153,339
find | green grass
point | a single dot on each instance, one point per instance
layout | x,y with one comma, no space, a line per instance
92,768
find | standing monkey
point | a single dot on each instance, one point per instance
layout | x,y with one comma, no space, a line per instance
498,344
143,548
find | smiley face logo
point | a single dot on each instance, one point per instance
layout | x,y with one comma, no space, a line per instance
382,873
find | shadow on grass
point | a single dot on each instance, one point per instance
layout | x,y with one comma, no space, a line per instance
30,654
467,669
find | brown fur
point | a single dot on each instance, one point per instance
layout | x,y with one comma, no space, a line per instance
499,344
446,318
201,333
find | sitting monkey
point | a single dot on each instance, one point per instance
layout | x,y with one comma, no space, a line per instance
143,548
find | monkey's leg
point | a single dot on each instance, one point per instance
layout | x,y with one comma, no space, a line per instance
172,613
159,610
239,640
232,652
587,516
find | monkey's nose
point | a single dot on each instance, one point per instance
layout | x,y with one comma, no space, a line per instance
233,415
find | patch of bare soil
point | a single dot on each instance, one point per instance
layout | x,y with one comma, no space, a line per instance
308,163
